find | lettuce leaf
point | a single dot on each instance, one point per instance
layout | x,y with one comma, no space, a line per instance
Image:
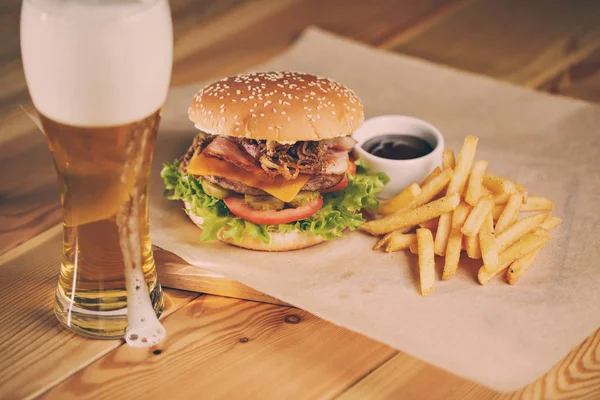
341,210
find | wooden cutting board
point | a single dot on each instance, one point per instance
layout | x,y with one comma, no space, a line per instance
174,272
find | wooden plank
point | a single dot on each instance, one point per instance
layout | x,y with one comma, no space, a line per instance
577,376
407,377
174,272
36,352
224,348
524,42
581,80
28,189
235,42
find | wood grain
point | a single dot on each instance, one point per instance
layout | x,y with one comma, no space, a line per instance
224,46
174,272
577,376
524,42
581,80
406,377
36,352
224,349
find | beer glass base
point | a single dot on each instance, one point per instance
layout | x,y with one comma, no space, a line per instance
98,324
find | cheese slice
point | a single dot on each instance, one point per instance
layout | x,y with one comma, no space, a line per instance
275,186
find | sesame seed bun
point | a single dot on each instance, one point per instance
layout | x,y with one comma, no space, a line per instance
285,241
279,106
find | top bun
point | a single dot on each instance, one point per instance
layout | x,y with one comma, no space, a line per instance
279,106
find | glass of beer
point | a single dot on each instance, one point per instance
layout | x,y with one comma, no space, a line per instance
98,72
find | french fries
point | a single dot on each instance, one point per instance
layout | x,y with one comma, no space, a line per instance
550,222
497,211
384,241
518,268
432,175
487,244
498,184
433,187
477,216
463,165
510,213
401,201
519,229
462,207
413,249
524,246
412,217
472,247
448,159
399,241
454,245
475,182
442,233
537,203
426,260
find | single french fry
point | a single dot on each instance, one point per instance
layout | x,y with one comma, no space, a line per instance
487,244
463,166
497,211
519,229
432,188
411,217
520,265
498,184
537,203
413,249
475,182
448,159
550,222
472,247
401,201
432,175
426,260
431,224
527,244
383,241
477,216
442,233
452,256
510,212
502,198
400,241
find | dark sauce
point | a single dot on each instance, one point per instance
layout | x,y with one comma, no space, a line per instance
397,147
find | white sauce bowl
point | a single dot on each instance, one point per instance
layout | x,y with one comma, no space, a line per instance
401,172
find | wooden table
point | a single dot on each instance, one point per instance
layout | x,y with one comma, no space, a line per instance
228,348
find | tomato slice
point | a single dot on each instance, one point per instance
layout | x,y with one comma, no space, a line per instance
344,182
238,206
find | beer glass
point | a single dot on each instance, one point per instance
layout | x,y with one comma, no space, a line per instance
98,73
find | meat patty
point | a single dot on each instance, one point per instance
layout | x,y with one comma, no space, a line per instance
316,182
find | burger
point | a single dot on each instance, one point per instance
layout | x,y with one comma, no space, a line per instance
272,167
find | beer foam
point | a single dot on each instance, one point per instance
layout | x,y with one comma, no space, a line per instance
97,63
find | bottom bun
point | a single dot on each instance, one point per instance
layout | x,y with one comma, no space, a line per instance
284,241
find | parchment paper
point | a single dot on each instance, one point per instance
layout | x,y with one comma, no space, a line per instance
501,336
